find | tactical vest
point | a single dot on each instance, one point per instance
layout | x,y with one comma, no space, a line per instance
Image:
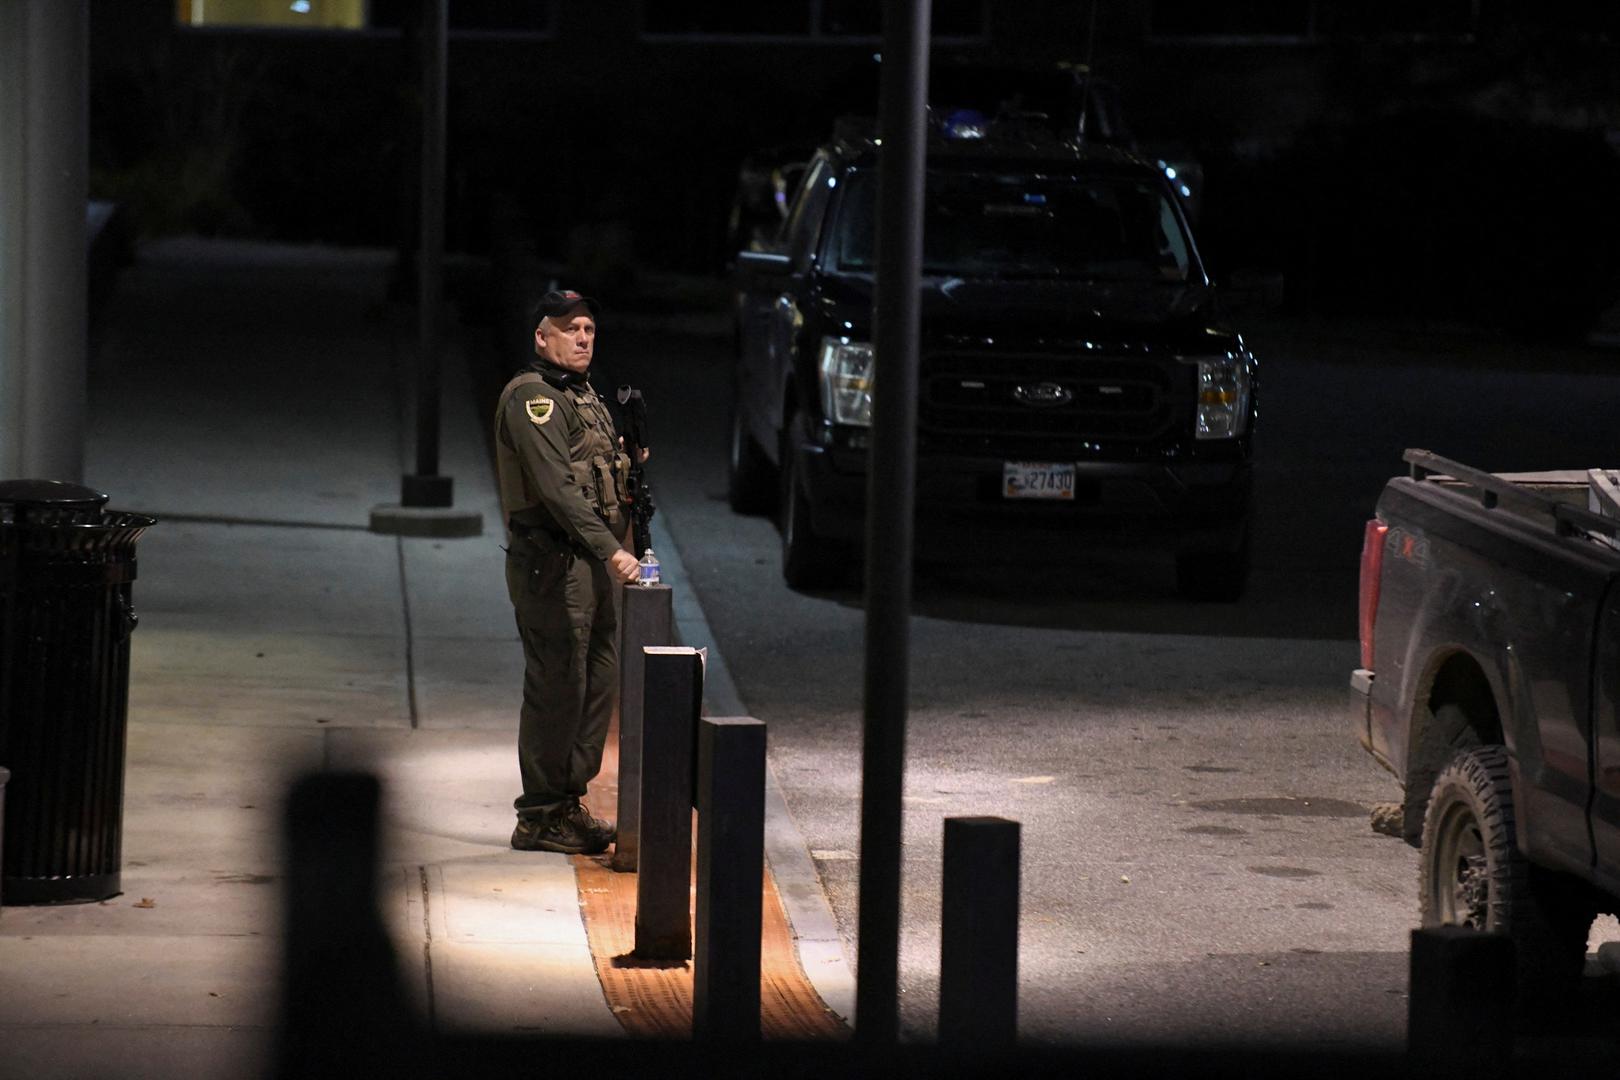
600,469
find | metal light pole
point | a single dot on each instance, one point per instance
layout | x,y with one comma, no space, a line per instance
426,498
890,495
426,487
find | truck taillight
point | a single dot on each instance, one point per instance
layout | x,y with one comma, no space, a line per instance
1372,564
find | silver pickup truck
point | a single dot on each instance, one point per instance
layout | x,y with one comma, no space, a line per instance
1490,686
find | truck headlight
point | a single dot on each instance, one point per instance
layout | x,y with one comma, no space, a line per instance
846,381
1223,395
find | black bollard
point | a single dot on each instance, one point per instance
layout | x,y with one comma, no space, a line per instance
646,619
674,698
343,1011
1460,1014
731,872
978,949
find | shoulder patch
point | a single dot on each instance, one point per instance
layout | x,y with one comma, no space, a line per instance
539,409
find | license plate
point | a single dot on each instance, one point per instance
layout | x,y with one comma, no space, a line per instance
1037,480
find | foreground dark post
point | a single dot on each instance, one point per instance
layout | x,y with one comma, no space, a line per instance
889,505
1460,1005
343,1012
426,487
731,872
44,265
674,682
647,618
978,950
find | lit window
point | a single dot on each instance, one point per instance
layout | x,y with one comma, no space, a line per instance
288,14
520,18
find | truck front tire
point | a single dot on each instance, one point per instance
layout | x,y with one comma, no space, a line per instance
748,472
1472,874
809,561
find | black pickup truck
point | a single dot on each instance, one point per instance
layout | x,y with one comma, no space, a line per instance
1490,686
1078,373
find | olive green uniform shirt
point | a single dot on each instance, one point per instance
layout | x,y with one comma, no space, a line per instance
560,468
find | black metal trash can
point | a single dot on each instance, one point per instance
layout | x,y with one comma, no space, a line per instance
66,565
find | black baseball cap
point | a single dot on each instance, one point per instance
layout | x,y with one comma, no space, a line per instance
559,302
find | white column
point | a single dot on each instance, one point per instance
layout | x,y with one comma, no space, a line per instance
44,166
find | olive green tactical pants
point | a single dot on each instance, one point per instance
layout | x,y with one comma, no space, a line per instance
566,621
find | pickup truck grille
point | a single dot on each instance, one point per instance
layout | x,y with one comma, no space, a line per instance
1047,405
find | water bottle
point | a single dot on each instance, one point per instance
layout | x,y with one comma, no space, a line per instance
649,568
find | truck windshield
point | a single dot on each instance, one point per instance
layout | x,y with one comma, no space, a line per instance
1048,225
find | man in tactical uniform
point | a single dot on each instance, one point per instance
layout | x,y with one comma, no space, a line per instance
562,480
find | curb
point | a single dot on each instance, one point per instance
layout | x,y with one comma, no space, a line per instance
815,930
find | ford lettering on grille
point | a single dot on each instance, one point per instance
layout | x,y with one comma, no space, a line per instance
1043,394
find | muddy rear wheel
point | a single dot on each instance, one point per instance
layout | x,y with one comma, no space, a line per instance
1472,874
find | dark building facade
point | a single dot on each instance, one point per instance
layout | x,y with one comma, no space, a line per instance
1364,150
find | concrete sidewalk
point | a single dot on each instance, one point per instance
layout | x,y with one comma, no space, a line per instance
248,396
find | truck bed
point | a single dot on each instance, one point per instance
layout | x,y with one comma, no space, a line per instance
1574,501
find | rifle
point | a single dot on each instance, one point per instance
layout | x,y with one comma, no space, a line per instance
635,439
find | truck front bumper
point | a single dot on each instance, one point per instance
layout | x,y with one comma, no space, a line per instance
1186,504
